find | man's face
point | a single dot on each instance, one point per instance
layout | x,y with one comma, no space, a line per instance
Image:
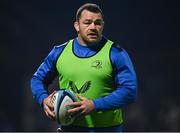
89,27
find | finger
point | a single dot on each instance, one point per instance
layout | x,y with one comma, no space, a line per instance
75,110
49,116
51,108
82,98
49,111
76,115
74,104
50,105
83,112
80,114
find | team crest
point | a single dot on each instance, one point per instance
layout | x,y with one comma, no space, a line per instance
97,64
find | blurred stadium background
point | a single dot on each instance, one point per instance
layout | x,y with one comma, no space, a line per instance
148,30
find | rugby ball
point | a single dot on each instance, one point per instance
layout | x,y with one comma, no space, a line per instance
60,99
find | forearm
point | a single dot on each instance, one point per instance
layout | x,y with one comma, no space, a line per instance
119,98
38,90
44,75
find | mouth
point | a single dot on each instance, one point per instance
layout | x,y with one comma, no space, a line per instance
93,34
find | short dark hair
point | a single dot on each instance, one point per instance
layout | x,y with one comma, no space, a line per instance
90,7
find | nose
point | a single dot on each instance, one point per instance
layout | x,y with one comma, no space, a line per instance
92,26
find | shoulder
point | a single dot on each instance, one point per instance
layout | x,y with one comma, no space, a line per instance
118,55
60,47
117,50
56,51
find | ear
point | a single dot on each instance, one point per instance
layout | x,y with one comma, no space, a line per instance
103,24
76,26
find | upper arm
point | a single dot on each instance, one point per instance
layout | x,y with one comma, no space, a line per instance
124,70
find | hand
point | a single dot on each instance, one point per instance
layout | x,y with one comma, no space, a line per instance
48,106
81,108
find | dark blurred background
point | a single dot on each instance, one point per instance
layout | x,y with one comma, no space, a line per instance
148,30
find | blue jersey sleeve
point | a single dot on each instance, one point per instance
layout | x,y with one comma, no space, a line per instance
45,74
125,80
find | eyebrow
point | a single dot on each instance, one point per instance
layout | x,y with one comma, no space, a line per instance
91,20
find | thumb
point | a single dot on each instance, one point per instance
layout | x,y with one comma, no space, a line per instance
51,95
82,98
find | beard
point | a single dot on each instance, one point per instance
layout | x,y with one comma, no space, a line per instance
90,38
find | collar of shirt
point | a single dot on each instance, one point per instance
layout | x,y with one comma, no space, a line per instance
86,51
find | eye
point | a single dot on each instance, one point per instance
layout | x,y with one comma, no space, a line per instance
87,22
98,22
